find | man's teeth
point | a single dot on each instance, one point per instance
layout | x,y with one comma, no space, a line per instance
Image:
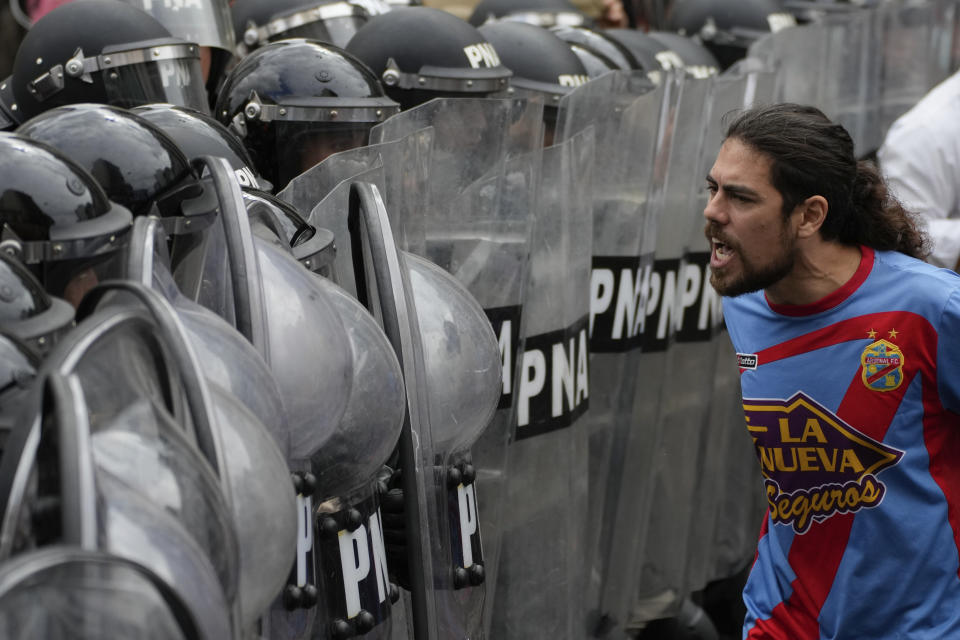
721,249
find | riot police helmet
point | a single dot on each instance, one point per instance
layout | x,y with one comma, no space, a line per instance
27,311
54,216
297,101
542,65
697,60
652,54
107,52
728,28
135,162
197,134
207,24
258,22
421,53
541,13
598,43
9,111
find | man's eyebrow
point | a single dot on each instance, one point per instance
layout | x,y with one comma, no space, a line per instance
736,189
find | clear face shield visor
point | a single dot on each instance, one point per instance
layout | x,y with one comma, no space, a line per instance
164,71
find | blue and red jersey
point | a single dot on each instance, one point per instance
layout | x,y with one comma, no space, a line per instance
853,404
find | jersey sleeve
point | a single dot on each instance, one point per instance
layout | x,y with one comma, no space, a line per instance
948,354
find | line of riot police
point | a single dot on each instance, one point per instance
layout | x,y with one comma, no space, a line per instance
349,319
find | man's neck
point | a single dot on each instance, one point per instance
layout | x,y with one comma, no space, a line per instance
821,268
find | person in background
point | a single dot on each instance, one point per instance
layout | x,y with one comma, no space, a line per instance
920,159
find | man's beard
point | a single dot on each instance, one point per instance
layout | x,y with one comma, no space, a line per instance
752,277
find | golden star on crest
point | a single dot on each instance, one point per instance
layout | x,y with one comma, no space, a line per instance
871,334
893,333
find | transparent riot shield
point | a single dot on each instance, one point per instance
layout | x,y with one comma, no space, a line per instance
543,544
340,585
382,281
670,406
907,40
476,224
851,96
698,346
254,474
125,456
275,303
217,267
404,165
63,592
798,56
729,485
626,134
225,356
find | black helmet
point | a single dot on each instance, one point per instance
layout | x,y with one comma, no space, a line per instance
54,217
27,311
294,102
542,64
258,22
197,134
422,53
135,162
9,112
728,28
541,13
207,24
108,52
652,54
598,43
697,59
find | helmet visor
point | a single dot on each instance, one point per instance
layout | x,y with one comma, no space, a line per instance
178,81
337,31
301,145
333,22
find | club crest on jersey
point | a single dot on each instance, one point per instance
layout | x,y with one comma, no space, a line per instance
815,465
882,364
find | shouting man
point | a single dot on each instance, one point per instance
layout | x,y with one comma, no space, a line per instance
849,351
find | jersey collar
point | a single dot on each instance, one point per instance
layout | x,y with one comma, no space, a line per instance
833,299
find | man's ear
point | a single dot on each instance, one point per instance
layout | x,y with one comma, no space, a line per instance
813,213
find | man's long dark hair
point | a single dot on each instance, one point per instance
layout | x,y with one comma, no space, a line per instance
813,156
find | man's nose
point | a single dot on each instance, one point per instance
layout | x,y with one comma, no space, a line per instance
714,211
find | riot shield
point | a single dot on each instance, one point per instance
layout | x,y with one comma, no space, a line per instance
906,46
217,267
403,175
253,473
124,455
476,226
275,304
852,94
340,584
63,592
225,356
626,134
728,492
543,544
798,56
698,346
668,406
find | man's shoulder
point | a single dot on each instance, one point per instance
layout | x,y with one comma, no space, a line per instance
909,271
920,284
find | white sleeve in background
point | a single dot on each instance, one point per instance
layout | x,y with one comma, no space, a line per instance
920,159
